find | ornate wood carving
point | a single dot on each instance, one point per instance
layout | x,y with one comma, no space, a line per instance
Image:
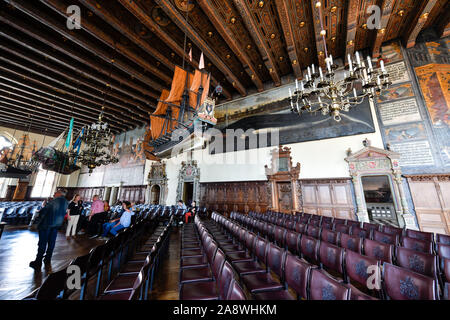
419,21
189,172
158,177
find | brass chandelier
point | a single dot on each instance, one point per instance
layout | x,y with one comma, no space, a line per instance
323,92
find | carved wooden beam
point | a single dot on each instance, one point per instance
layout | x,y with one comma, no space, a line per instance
79,39
443,27
221,26
269,61
180,21
148,22
320,47
386,11
9,27
284,9
409,38
99,34
352,27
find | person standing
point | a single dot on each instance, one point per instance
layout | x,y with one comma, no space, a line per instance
95,217
51,219
74,211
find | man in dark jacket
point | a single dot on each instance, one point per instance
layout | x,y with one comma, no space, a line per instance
52,218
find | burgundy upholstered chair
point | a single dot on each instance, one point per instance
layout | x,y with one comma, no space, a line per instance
353,223
257,264
313,231
264,281
403,284
280,236
245,255
392,230
293,241
327,225
418,245
446,269
443,250
427,236
323,287
331,257
352,243
360,232
314,223
327,220
385,237
378,250
201,273
134,293
357,274
339,221
371,226
236,292
296,277
309,248
342,228
442,238
329,236
420,262
300,228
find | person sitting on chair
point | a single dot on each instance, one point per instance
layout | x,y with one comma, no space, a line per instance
118,224
191,212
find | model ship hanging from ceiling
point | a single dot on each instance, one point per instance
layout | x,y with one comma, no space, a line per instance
185,103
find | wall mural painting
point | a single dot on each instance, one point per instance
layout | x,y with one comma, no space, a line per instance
391,53
274,119
128,147
406,132
396,92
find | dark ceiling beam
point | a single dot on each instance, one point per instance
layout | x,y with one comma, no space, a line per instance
66,88
148,22
60,28
180,21
93,105
15,85
386,11
42,64
284,9
410,36
52,106
99,34
221,26
352,27
18,125
79,57
320,47
269,61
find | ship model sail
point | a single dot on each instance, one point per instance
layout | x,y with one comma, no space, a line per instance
177,109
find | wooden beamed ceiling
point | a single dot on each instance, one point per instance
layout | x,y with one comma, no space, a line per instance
125,52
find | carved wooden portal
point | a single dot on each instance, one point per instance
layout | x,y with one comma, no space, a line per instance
372,161
189,172
157,182
283,184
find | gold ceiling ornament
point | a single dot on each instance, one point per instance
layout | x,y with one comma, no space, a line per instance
306,49
401,13
172,55
294,62
323,33
364,26
253,76
210,34
233,20
185,5
333,9
249,46
272,36
281,59
350,43
228,56
159,16
333,39
302,24
425,15
189,44
261,4
260,66
320,53
382,31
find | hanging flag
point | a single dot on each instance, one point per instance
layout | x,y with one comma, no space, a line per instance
77,146
190,55
69,135
201,64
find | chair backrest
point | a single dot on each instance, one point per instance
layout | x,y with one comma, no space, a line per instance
337,221
275,260
261,249
280,236
420,262
443,250
329,236
418,245
357,269
360,232
403,284
53,286
392,230
300,227
235,292
446,269
385,237
297,274
323,287
250,241
224,280
351,243
342,228
331,256
314,223
371,226
218,262
211,251
442,238
313,231
327,220
427,236
378,250
293,241
309,247
447,291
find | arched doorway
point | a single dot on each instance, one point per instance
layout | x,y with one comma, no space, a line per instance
155,194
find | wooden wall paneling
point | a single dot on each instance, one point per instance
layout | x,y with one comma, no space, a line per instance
431,198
